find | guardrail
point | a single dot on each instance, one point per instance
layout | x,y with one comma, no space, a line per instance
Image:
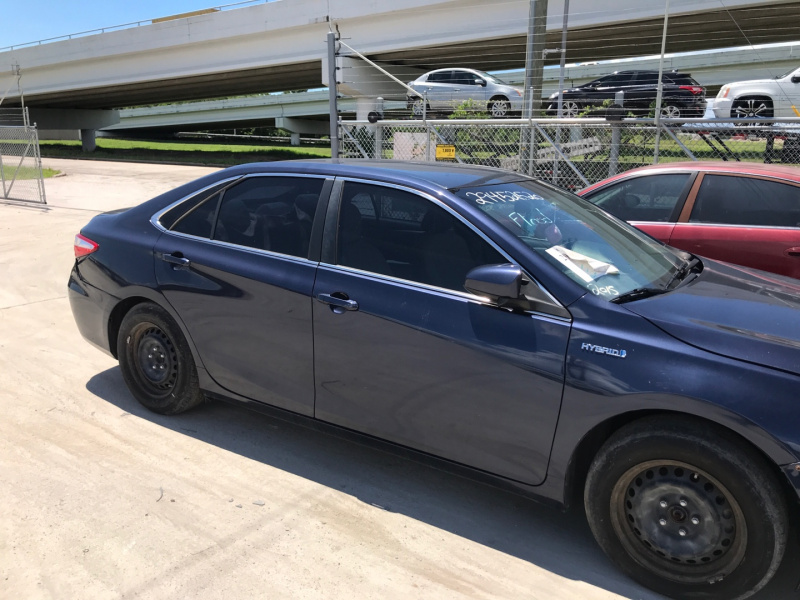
128,25
574,153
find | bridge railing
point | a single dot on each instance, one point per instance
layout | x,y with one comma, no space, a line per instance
573,153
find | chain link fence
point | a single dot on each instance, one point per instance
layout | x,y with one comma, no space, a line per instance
573,153
20,161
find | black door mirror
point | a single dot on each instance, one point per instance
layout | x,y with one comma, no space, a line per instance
795,78
499,282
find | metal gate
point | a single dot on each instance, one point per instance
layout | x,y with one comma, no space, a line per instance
20,161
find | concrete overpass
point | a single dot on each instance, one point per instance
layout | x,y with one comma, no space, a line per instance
279,46
307,112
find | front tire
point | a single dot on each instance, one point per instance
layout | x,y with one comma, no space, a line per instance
499,107
156,361
687,510
752,108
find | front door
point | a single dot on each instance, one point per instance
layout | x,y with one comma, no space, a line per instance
404,353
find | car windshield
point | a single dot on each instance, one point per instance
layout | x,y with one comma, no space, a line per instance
491,78
606,256
789,72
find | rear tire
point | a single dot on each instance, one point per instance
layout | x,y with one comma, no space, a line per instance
156,361
687,510
670,111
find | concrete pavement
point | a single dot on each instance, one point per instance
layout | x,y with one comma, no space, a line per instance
103,499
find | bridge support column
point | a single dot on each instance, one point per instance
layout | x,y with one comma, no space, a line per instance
88,141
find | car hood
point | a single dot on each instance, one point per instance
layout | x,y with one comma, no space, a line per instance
755,83
733,311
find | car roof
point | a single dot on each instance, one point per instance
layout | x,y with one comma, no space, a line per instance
749,168
424,174
744,168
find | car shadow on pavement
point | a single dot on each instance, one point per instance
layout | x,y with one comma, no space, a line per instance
541,535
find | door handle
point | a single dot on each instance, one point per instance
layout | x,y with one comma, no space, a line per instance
792,251
175,259
337,302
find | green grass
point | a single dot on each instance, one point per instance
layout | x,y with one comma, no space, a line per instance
24,172
193,153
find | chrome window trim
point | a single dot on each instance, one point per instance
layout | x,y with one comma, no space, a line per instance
156,218
249,249
449,210
425,287
735,225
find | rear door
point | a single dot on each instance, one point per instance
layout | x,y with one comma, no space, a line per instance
237,270
609,86
404,353
439,90
746,220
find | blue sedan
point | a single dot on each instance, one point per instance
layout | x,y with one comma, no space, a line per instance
485,321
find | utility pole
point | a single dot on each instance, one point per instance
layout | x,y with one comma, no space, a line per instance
534,56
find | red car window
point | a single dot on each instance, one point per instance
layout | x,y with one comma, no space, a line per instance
731,200
650,198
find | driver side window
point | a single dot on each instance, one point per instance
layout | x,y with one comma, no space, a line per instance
394,232
648,199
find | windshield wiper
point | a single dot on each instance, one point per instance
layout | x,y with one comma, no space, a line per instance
682,271
638,294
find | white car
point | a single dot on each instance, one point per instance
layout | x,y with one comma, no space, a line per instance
445,89
779,98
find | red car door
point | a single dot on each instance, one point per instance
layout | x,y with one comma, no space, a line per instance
746,220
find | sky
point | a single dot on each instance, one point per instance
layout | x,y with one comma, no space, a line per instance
33,20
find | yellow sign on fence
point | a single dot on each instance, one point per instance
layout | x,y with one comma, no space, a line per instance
445,151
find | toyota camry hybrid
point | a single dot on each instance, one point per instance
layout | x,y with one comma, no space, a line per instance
482,320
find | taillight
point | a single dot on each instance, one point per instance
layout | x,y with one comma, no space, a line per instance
695,89
84,246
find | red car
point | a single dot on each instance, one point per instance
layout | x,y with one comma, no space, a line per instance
743,213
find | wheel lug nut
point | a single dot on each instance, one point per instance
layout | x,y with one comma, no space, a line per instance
662,522
695,521
663,504
149,356
682,532
683,502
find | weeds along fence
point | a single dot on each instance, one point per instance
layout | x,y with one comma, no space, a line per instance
573,153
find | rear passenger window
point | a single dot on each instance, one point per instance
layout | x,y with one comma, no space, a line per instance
407,236
732,200
196,215
647,198
269,213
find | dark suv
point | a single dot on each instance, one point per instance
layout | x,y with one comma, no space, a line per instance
682,97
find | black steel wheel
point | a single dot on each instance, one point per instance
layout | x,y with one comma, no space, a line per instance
499,107
686,510
156,361
752,108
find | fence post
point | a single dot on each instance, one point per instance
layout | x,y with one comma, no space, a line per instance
614,116
332,95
